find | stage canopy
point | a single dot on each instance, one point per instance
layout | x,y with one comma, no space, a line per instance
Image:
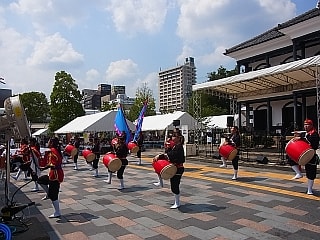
165,121
98,122
281,78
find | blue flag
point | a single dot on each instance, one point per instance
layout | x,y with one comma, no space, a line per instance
139,121
121,125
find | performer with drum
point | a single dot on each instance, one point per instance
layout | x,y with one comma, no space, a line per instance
121,151
22,157
52,181
177,157
312,137
76,156
96,151
233,140
168,145
140,144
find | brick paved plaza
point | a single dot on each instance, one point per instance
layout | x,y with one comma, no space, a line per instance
261,204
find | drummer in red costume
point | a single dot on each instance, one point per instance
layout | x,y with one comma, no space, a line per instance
51,182
22,157
312,137
233,140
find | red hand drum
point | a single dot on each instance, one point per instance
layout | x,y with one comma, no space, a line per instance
112,162
88,155
299,151
164,168
133,147
228,152
71,150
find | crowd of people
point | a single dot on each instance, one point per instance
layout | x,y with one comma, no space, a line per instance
47,171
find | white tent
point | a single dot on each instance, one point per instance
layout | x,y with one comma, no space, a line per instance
165,121
98,122
39,132
217,121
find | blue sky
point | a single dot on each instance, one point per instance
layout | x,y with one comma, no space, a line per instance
126,42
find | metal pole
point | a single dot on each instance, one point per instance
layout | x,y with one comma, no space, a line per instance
7,172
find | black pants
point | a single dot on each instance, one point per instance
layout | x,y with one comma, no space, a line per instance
139,153
54,187
175,181
235,163
75,158
95,163
311,168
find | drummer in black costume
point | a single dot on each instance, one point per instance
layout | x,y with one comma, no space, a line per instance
234,140
177,157
312,137
96,151
121,150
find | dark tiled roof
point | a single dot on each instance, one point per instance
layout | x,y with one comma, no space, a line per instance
274,33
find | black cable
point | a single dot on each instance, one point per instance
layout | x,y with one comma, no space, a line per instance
11,202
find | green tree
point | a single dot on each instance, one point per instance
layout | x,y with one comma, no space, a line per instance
142,94
210,105
221,73
65,101
106,106
36,106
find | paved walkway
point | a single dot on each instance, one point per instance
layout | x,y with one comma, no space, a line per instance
261,204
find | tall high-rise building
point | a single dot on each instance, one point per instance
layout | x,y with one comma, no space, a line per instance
175,86
118,89
104,89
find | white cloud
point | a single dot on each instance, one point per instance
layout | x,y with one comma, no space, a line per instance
151,81
126,72
207,27
54,51
123,72
132,17
32,7
92,75
47,14
279,9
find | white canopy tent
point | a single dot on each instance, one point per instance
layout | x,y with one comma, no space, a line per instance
40,132
165,121
298,74
98,122
218,121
